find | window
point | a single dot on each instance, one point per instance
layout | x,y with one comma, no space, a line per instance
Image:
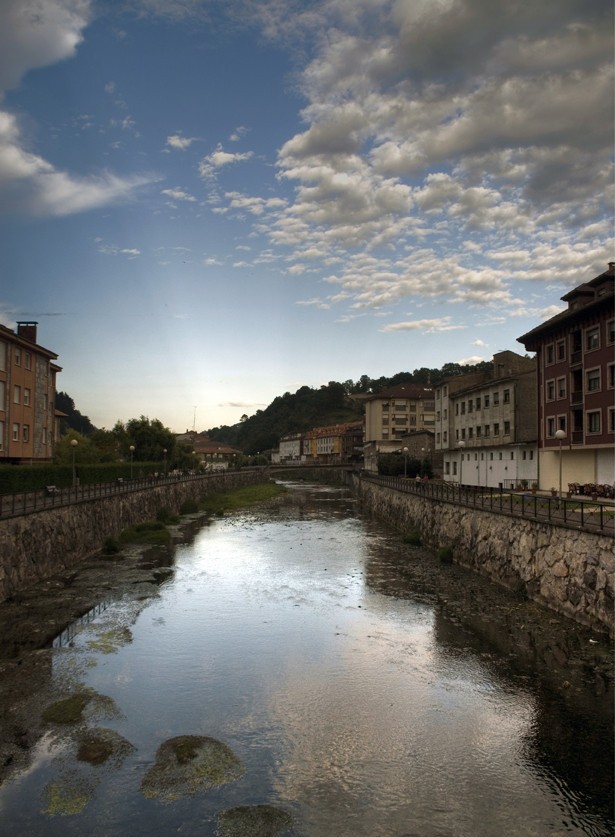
506,396
507,428
611,420
491,456
550,353
592,339
385,408
463,432
16,394
592,380
28,360
550,428
385,421
561,387
487,429
455,468
445,437
594,422
463,408
561,350
561,423
496,398
470,405
444,391
2,394
15,432
447,467
437,438
500,456
2,356
456,409
26,396
444,415
17,357
486,401
1,435
610,332
524,455
531,454
26,432
610,376
478,403
512,454
550,390
470,432
478,431
401,408
496,429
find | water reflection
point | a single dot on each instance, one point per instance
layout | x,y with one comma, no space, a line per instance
366,689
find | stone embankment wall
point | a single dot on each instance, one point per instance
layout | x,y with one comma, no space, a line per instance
568,570
37,545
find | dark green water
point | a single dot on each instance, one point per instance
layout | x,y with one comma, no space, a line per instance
366,691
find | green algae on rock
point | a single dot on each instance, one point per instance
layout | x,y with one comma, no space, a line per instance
75,708
99,746
254,821
189,764
68,795
109,641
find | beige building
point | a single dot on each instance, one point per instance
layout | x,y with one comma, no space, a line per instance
486,424
393,415
27,396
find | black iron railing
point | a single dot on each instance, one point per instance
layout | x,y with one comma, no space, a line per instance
572,512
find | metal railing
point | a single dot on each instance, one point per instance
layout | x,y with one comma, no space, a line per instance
15,505
575,513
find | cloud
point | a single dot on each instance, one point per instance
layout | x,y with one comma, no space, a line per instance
179,143
114,250
428,326
178,195
219,158
34,36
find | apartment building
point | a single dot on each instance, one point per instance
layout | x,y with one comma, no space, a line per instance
333,444
27,396
575,353
391,416
485,424
291,448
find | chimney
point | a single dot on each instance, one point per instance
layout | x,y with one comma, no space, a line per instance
27,331
611,267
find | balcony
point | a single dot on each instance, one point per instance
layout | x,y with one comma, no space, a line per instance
576,358
577,437
576,397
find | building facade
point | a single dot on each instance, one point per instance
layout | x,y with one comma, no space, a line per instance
486,425
27,396
575,386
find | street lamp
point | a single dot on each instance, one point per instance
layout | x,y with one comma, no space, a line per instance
461,446
560,435
405,462
164,453
132,450
73,444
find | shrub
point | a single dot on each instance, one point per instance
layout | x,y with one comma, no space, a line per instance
445,555
412,538
189,507
111,546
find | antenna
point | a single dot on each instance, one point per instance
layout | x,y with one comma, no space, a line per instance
194,421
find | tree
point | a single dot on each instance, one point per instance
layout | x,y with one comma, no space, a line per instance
149,437
84,451
73,419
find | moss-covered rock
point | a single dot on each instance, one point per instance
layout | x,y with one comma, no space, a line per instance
68,795
189,764
101,746
254,821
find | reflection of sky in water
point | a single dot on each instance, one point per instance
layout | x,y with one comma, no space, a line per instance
336,696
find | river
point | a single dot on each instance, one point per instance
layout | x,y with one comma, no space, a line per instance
349,684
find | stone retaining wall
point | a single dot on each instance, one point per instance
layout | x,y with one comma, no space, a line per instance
568,570
37,545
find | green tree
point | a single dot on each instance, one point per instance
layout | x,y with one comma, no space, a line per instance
149,437
84,451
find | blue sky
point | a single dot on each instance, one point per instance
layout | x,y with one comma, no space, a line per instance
206,204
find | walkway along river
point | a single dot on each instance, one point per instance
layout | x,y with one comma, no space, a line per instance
297,669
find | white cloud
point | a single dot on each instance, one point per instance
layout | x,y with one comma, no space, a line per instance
219,158
114,250
178,195
179,143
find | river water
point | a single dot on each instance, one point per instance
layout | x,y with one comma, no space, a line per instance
365,689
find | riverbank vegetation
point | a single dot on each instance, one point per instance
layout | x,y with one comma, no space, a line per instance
241,497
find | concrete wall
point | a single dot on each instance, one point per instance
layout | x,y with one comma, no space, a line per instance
35,546
569,571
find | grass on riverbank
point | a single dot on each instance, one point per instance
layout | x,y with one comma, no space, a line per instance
225,501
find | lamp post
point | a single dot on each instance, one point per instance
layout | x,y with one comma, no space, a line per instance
560,435
132,450
405,462
461,446
73,444
164,454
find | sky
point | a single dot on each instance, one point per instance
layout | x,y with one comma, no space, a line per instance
208,203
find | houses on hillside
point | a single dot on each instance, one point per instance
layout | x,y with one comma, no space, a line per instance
27,396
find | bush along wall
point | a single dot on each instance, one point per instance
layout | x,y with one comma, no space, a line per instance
15,479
